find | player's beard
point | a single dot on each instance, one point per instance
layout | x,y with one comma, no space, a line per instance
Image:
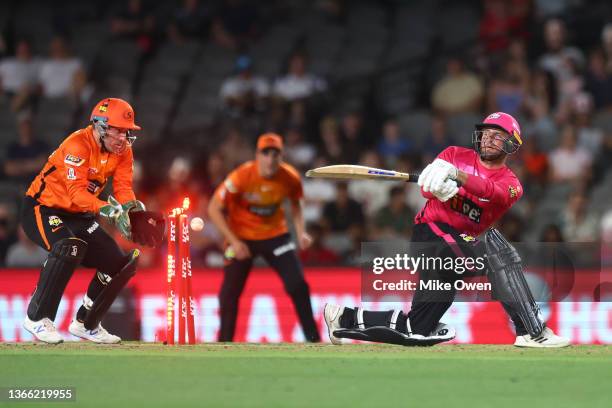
492,153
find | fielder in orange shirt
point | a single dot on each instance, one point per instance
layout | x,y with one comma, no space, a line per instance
59,214
247,209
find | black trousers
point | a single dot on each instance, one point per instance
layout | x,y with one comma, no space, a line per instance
279,253
45,226
435,240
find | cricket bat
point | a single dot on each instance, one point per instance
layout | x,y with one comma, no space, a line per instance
351,171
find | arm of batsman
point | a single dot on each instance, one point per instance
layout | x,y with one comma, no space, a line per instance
148,227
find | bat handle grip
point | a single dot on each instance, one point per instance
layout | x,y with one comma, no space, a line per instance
412,178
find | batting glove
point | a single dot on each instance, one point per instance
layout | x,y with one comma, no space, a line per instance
435,175
446,191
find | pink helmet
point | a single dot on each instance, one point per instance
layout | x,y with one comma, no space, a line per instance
506,123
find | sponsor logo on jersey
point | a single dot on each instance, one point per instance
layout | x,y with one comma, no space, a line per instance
73,160
513,191
467,207
467,238
55,221
93,227
263,210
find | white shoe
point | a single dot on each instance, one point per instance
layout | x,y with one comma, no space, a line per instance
44,330
547,339
443,332
97,335
332,315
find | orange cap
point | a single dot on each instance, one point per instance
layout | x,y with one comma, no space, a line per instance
115,112
270,141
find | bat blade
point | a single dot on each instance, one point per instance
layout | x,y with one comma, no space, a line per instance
352,172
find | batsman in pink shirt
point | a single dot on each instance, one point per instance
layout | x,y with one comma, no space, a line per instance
467,191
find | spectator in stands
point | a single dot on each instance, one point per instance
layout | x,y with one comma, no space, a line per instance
502,21
603,159
353,136
589,137
244,93
598,79
569,162
318,254
438,140
396,218
458,91
19,77
331,142
343,213
557,54
191,21
62,75
298,152
25,253
235,149
535,164
393,145
27,155
179,184
214,174
507,92
298,83
136,22
371,194
512,226
7,231
540,102
235,24
579,224
606,41
317,191
551,233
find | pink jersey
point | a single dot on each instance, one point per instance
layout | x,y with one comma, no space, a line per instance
485,197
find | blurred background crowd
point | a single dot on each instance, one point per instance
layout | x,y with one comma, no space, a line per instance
381,83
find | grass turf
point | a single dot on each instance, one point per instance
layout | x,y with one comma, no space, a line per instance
288,375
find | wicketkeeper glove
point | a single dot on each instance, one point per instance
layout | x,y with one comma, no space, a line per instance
148,227
115,213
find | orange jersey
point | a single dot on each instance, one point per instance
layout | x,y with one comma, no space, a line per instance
77,172
254,204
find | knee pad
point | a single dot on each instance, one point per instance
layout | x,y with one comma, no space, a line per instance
105,299
65,255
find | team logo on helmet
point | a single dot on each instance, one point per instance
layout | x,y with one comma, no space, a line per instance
494,116
103,107
128,115
513,191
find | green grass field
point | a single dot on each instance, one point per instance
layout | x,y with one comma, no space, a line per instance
286,375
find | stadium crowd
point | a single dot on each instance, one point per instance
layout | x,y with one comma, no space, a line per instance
548,63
